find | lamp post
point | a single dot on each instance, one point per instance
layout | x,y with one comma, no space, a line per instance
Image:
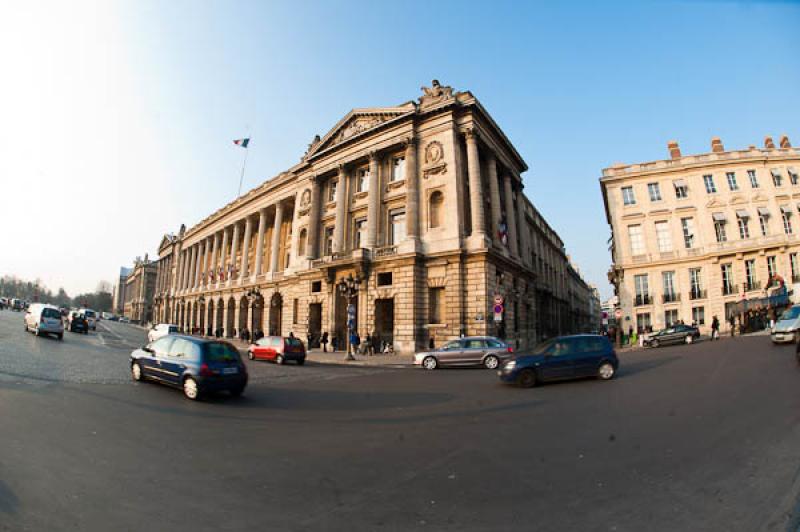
348,288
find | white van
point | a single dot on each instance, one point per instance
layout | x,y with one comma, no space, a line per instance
787,328
91,317
44,319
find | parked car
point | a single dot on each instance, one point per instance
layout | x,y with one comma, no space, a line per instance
91,317
278,349
787,327
124,319
162,329
564,357
76,322
674,334
195,365
486,351
17,305
44,319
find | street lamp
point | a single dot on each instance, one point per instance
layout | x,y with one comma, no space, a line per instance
348,288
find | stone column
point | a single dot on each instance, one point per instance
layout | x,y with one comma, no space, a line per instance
187,264
276,238
312,238
341,211
248,233
374,201
192,267
494,196
522,227
179,271
511,216
234,245
215,257
224,251
198,265
475,187
262,227
412,190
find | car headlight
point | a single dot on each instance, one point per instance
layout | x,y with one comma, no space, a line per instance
511,364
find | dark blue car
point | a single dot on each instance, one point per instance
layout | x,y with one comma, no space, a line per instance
565,357
195,365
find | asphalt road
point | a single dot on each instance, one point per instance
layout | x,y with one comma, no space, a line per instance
701,437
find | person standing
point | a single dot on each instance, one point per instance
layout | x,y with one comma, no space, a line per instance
715,328
732,321
324,342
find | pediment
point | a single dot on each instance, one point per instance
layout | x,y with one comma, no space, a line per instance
356,123
166,241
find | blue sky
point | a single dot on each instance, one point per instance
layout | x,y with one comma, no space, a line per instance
133,105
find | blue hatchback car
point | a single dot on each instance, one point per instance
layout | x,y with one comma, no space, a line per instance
195,365
565,357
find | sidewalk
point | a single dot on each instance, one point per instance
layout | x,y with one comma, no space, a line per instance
338,357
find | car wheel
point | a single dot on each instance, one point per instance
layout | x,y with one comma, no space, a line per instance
190,389
250,355
60,336
527,378
279,359
654,343
605,371
689,339
301,361
430,363
491,362
136,372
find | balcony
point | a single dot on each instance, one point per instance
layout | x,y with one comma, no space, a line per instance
697,294
752,286
670,298
385,251
642,299
728,289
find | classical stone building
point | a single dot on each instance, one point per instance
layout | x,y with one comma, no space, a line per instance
694,236
119,291
406,222
139,291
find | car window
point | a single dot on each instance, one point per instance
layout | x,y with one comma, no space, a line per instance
162,345
597,344
790,314
181,347
51,313
263,342
455,344
562,346
173,329
276,342
294,342
475,344
495,343
221,352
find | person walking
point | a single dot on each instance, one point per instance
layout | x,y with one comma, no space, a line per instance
324,342
732,321
355,342
715,328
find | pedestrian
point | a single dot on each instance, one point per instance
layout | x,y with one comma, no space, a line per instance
373,339
355,342
715,328
732,321
291,334
324,342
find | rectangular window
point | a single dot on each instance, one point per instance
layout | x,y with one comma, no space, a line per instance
332,189
328,240
719,230
763,222
397,221
663,237
777,178
642,289
732,184
696,283
744,229
316,286
792,175
750,274
681,189
362,180
435,300
654,191
787,222
643,322
637,240
698,316
359,233
688,232
793,264
727,279
385,279
627,196
398,168
295,310
709,182
668,281
753,179
772,269
670,317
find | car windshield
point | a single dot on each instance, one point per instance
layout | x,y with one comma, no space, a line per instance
790,314
294,342
89,313
51,313
544,346
221,352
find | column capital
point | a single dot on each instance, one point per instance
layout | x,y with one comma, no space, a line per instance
409,142
341,168
471,133
374,156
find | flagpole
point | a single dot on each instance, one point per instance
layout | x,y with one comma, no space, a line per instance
241,178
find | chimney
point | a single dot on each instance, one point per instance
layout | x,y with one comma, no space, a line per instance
716,145
785,141
674,149
768,144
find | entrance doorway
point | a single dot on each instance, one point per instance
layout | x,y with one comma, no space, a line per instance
211,316
230,322
384,322
220,317
314,324
243,308
257,321
275,314
201,319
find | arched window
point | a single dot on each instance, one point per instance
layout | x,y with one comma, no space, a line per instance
435,205
301,243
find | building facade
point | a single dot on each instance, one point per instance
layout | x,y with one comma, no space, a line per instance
695,235
119,291
140,290
407,223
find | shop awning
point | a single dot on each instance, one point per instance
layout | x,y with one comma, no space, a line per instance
719,217
763,211
741,213
680,183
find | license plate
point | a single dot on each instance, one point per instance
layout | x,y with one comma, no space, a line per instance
230,371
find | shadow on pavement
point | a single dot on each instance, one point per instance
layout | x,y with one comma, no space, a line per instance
633,368
8,501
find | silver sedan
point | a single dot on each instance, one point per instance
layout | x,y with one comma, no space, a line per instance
486,351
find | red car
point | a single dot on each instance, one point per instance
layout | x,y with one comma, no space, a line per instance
278,348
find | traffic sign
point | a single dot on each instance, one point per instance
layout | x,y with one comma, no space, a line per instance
498,299
498,308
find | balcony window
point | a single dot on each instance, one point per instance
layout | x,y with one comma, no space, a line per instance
696,284
750,275
732,184
654,191
627,196
670,317
687,224
753,179
708,180
663,237
668,281
727,279
772,269
698,316
642,289
793,264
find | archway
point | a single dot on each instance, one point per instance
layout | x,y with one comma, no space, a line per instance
257,321
243,314
180,316
218,323
230,330
201,318
211,316
275,314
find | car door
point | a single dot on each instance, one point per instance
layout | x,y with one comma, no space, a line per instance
588,352
450,352
173,364
259,348
559,360
150,362
473,351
